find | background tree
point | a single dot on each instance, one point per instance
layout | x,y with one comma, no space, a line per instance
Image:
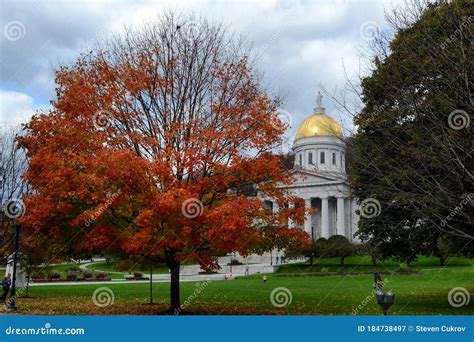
150,140
340,247
321,248
13,163
412,151
372,249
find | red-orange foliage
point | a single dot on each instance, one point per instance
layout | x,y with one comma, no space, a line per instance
115,159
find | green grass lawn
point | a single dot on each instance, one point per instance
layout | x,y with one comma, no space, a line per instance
364,264
107,267
425,292
113,273
44,271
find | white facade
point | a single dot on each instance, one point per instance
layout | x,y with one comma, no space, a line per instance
320,178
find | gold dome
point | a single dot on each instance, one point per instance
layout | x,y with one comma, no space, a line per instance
318,124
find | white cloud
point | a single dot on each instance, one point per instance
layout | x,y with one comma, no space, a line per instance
16,108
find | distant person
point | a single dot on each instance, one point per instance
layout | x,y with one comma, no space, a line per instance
247,270
278,258
378,282
6,287
282,259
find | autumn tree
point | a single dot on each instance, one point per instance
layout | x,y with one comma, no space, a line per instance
152,138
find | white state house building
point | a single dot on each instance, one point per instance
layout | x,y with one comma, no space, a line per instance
320,177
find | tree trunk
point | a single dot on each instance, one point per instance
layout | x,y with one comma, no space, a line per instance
374,262
174,265
441,260
342,260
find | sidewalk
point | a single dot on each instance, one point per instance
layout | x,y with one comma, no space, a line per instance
187,273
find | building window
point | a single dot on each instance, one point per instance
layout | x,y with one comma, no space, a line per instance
322,158
334,158
301,159
310,158
268,205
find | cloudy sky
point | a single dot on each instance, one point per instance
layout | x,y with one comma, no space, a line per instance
301,43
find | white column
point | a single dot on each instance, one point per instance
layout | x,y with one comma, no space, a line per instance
340,217
307,218
291,223
324,217
275,207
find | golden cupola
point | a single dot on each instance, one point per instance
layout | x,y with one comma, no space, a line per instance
319,123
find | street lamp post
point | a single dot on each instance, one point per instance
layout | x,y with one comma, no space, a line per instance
12,302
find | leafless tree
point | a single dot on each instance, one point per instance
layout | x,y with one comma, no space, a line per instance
13,163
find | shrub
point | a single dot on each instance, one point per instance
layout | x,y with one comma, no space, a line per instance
100,274
321,248
71,275
339,246
87,274
39,273
54,274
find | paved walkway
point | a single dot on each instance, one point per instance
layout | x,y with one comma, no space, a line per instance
187,273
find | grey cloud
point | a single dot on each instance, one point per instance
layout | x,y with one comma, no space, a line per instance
285,33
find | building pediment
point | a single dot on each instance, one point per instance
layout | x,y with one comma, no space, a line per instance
308,177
